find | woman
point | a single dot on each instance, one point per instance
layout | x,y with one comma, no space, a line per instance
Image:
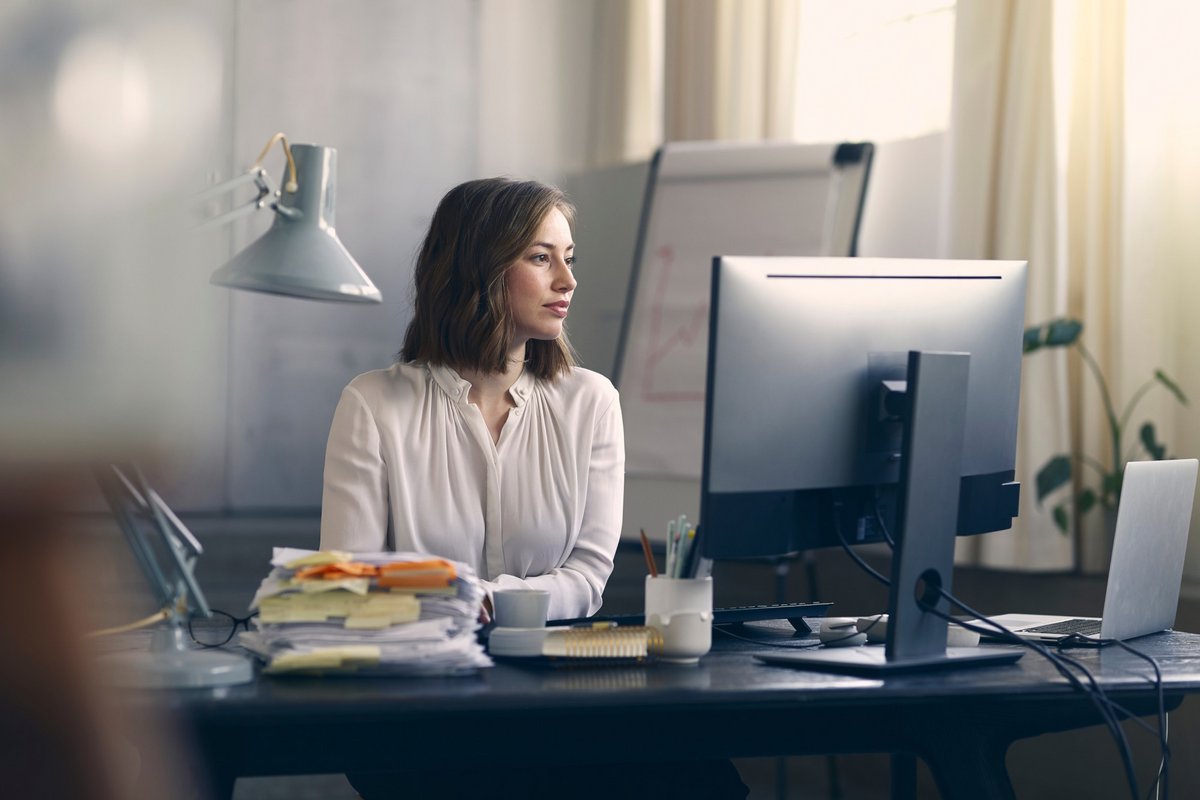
485,443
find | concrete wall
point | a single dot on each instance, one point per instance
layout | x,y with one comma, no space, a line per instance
393,86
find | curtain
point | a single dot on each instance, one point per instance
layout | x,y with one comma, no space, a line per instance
1160,249
627,90
1003,202
730,68
671,70
1036,172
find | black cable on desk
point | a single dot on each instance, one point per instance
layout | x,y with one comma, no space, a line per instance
1062,663
1107,707
1163,775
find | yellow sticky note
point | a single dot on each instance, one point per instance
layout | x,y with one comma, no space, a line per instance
318,558
327,658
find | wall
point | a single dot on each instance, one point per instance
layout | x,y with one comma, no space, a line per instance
393,86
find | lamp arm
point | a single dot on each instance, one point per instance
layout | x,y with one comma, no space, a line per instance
268,193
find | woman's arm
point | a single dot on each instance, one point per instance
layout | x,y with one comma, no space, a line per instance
577,587
354,504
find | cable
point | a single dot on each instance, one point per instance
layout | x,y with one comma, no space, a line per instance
291,184
1095,693
882,523
837,526
1107,708
157,616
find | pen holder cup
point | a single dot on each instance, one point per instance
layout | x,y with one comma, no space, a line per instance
681,610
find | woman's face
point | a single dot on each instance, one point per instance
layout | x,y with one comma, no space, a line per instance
540,283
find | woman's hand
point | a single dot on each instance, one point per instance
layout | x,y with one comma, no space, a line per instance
485,610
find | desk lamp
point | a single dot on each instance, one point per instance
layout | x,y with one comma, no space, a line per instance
299,256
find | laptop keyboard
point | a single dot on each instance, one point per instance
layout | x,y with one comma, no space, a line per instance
1085,627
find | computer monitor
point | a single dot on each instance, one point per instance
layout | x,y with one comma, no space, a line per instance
813,366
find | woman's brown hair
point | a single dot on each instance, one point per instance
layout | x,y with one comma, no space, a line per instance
461,312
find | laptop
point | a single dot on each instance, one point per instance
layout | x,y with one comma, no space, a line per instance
1146,568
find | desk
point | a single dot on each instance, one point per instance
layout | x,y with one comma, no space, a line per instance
961,723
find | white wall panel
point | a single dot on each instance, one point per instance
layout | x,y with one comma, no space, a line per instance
391,85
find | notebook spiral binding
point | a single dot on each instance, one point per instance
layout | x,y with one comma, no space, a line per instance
626,642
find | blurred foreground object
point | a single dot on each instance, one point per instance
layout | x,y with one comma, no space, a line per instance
62,735
166,552
110,111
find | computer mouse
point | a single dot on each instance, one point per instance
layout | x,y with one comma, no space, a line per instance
875,627
842,637
833,623
961,637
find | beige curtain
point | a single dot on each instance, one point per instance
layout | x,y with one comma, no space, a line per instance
730,68
1160,275
626,109
1035,173
669,70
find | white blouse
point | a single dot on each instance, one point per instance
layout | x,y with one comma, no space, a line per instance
411,465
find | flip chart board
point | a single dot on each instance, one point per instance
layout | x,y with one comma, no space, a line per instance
705,199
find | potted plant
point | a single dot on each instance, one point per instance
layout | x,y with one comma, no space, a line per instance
1104,486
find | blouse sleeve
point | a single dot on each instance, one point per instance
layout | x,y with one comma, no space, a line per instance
354,509
577,587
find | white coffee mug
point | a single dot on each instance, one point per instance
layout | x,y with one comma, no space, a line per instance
521,608
681,610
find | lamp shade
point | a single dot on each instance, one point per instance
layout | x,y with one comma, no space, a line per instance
301,255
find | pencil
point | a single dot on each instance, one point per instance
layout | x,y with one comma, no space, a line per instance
650,565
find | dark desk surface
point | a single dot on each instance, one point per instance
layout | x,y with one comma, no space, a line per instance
960,722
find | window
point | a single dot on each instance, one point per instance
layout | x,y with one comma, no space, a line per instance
873,69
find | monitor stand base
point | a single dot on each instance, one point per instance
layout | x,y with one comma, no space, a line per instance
873,661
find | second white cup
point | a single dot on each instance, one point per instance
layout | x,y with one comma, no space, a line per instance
681,610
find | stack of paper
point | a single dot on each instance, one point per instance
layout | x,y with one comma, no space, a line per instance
367,613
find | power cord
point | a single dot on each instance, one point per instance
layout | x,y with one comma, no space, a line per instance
1107,708
1063,665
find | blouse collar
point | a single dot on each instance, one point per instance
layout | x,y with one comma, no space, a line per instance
458,388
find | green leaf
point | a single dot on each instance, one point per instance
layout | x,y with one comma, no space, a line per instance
1087,501
1054,473
1063,332
1061,519
1157,450
1032,339
1172,387
1111,489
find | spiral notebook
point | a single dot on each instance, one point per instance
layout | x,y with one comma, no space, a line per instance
599,643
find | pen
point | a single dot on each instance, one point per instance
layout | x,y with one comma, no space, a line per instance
650,565
670,548
689,549
680,543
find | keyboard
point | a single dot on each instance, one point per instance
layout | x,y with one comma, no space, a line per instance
1084,627
733,615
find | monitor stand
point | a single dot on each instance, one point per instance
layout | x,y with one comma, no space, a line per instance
930,467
